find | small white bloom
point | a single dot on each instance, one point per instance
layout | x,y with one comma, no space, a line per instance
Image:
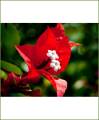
56,68
52,65
55,64
52,54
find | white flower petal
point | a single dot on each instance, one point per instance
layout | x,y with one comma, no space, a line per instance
59,67
52,65
56,62
55,69
49,51
52,54
49,54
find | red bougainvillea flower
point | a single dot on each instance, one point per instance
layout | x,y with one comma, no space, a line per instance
49,56
15,84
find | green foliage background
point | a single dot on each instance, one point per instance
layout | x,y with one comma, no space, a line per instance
82,71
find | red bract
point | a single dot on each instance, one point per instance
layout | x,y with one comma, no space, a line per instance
49,56
12,80
15,84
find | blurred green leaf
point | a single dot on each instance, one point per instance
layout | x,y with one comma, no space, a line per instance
17,94
74,31
10,38
46,83
10,67
82,50
3,75
82,91
72,68
24,67
80,84
81,65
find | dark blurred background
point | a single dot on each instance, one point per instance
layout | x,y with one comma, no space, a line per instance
82,71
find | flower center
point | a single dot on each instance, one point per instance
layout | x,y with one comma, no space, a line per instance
52,54
55,64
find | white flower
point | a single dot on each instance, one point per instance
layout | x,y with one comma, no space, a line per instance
55,64
52,54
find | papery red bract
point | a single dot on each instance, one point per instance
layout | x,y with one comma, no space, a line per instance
72,44
15,83
28,53
59,85
11,80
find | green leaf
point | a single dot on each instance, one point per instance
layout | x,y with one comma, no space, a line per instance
3,75
24,67
17,94
10,67
9,38
72,68
46,83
